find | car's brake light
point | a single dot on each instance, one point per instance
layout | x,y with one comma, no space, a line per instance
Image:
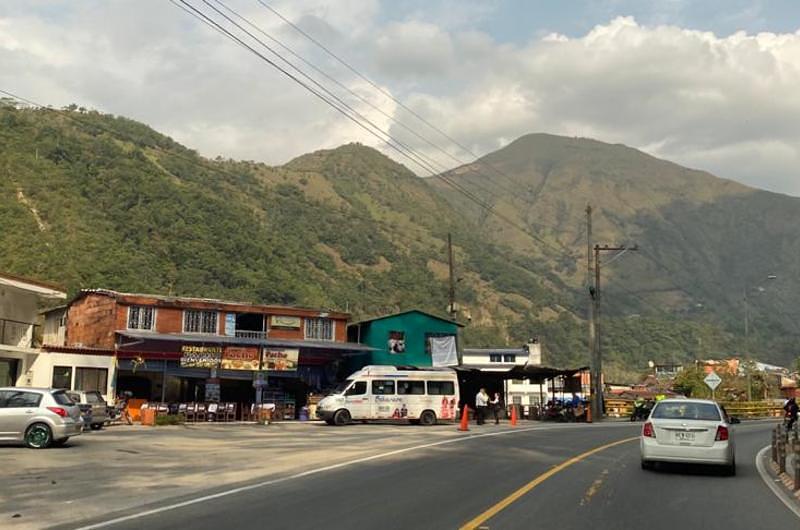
648,430
58,410
722,434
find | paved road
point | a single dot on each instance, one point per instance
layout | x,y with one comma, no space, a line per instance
448,485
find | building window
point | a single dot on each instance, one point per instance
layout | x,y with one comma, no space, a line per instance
319,328
509,358
429,336
397,342
91,379
62,377
195,321
495,358
140,317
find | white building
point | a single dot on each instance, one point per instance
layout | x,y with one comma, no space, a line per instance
21,301
27,341
517,391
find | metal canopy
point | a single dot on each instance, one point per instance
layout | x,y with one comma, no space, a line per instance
535,374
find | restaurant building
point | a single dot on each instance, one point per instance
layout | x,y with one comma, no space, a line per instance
177,349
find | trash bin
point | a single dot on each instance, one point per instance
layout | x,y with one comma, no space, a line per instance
148,416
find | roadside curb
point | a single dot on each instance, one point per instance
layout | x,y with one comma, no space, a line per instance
780,484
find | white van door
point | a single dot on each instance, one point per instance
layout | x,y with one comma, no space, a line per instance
385,403
357,400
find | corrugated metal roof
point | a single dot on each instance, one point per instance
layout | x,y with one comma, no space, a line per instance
221,339
364,321
119,295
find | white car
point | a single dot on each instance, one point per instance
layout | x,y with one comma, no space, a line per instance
693,431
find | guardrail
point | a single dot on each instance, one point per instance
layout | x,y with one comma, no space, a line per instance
786,450
623,408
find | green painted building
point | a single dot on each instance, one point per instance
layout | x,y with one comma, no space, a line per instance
400,339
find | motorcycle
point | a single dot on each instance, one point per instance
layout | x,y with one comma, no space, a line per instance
640,412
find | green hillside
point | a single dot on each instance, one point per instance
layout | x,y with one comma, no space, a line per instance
703,241
92,200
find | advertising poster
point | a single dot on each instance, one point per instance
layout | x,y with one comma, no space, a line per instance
239,358
280,360
230,324
200,356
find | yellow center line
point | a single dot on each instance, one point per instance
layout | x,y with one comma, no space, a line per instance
505,503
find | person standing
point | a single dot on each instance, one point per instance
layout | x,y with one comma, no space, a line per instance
496,404
481,401
791,409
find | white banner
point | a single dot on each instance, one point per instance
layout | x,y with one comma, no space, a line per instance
443,351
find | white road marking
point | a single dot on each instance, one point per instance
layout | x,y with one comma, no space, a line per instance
777,490
234,491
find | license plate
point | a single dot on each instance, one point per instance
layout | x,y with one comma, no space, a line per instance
684,436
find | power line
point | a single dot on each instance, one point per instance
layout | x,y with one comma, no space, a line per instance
388,94
392,142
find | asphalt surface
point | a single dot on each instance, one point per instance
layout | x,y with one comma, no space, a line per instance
448,485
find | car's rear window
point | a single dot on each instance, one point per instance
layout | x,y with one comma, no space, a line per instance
93,397
686,411
62,398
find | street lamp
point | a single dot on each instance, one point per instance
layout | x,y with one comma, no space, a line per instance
747,333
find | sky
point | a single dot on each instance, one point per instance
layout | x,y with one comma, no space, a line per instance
710,85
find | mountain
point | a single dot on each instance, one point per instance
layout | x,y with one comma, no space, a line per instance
704,243
93,200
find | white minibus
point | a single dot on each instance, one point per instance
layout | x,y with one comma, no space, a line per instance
384,393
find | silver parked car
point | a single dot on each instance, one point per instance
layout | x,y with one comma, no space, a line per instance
40,417
93,407
689,431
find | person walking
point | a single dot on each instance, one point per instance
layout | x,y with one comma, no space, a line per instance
481,401
496,404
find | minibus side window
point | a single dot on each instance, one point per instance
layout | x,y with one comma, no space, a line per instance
413,388
441,388
382,387
358,389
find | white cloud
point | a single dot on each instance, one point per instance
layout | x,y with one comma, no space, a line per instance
722,103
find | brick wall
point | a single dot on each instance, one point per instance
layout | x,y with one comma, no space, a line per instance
91,322
169,320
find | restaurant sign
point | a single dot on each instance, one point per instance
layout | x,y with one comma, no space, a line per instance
280,360
239,358
200,356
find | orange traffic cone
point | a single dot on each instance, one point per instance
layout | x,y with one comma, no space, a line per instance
513,415
464,425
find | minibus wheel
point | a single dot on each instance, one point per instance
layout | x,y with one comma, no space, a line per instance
342,417
427,418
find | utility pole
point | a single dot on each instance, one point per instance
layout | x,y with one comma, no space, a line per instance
452,306
597,365
594,369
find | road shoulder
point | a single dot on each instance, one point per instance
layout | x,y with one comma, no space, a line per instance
779,484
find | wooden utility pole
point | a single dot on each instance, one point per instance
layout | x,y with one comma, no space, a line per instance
597,357
451,308
594,369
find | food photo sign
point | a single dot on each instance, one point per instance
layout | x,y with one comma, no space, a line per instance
280,360
240,358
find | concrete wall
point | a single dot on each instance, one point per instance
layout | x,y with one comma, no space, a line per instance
42,369
20,306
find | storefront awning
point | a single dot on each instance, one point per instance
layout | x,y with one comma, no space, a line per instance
534,373
315,345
